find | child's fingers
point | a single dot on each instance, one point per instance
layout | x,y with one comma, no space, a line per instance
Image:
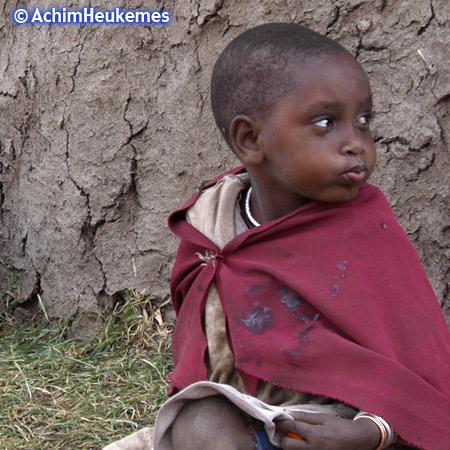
291,428
293,444
308,417
308,426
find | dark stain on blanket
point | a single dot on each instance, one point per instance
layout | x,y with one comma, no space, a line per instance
255,288
297,366
293,352
259,319
290,298
303,317
342,266
303,335
243,361
302,342
238,343
307,319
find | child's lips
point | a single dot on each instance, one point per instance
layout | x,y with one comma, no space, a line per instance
356,176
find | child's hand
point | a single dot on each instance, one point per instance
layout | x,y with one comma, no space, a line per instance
328,432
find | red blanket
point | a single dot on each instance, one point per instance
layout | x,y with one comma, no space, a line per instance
330,299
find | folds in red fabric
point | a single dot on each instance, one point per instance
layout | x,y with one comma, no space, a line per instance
330,299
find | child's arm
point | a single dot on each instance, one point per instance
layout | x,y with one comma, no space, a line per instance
325,431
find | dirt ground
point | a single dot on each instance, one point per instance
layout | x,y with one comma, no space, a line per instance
105,130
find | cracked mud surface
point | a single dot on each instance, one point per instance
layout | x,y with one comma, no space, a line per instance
104,131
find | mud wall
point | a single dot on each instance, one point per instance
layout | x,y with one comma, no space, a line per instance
105,130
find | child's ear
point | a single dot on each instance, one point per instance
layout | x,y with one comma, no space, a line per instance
244,138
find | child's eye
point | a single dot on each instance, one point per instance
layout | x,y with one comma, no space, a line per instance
364,119
324,123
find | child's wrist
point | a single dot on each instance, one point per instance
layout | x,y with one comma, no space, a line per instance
388,436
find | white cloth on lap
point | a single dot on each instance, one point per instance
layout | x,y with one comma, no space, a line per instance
251,405
141,440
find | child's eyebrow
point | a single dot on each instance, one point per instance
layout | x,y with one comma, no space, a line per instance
368,101
325,104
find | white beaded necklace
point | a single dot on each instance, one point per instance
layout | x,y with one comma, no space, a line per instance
247,209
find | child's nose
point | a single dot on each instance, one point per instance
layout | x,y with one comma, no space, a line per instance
353,144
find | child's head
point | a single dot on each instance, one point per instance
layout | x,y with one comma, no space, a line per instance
295,108
256,69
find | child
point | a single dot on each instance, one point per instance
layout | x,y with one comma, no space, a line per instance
293,281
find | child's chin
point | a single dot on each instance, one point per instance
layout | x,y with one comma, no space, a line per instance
343,196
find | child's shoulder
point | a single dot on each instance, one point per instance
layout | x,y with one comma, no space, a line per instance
213,211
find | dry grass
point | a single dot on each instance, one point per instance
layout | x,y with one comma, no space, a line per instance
59,393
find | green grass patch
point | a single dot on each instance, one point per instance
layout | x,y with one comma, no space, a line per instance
57,392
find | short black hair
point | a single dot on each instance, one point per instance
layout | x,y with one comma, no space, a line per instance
255,69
